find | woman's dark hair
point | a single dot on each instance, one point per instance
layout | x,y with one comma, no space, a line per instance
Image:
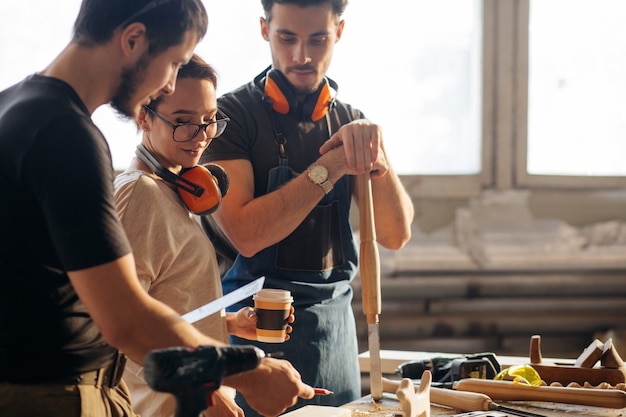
338,6
196,69
166,21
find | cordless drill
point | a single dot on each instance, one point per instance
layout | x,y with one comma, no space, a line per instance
192,375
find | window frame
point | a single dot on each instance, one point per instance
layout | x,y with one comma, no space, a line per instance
521,15
465,186
505,117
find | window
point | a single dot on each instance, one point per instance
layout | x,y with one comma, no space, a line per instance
571,118
576,88
416,68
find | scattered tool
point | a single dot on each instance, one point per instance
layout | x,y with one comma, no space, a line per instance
192,375
369,267
462,400
511,391
448,369
582,369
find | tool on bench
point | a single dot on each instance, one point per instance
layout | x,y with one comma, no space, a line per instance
583,369
369,267
511,391
448,369
192,375
462,400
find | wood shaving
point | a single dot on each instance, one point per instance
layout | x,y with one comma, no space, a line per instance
378,411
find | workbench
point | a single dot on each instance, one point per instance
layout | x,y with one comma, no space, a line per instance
389,401
391,359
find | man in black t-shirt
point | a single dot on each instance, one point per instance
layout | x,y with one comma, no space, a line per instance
70,300
293,152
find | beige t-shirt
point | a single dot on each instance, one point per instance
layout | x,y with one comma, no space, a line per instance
176,264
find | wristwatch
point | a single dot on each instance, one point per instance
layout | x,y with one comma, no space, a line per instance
318,174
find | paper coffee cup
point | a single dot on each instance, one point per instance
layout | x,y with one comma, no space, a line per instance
272,309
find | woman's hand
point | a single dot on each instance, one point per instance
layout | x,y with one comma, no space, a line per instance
243,323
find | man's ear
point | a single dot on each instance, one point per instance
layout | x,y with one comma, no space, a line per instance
142,120
133,38
340,29
264,28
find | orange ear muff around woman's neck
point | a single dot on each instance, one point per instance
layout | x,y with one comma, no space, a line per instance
198,187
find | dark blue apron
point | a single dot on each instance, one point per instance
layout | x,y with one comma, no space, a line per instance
316,263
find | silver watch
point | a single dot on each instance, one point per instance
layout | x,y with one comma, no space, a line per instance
318,174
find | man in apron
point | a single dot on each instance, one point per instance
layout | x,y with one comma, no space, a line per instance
292,152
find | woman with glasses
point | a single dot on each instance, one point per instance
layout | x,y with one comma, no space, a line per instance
175,261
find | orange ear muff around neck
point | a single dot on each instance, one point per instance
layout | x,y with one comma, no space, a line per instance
320,103
209,199
280,103
220,176
197,186
284,100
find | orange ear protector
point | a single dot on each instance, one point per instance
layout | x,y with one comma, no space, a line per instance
201,187
284,100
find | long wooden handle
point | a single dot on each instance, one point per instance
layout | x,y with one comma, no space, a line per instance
369,262
464,401
510,391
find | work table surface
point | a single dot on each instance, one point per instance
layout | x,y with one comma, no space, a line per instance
391,359
548,409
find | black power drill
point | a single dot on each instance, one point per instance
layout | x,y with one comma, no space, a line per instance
192,375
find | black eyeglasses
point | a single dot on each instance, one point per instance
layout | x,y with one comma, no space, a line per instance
185,132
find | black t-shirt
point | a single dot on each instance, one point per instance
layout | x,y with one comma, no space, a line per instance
57,214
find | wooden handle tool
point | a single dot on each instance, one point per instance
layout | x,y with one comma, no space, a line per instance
510,391
369,267
461,400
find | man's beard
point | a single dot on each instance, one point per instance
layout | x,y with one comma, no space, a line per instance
305,91
130,80
301,90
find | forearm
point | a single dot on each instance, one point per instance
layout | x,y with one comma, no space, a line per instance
393,211
268,219
159,327
253,224
129,318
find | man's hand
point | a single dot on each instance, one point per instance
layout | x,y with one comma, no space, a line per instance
272,387
362,144
243,323
223,405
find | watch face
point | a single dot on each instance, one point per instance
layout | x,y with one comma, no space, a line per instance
318,174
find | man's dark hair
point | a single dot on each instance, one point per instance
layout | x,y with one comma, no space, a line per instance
338,6
166,21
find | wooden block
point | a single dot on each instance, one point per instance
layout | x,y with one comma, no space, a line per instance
610,358
591,355
415,401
